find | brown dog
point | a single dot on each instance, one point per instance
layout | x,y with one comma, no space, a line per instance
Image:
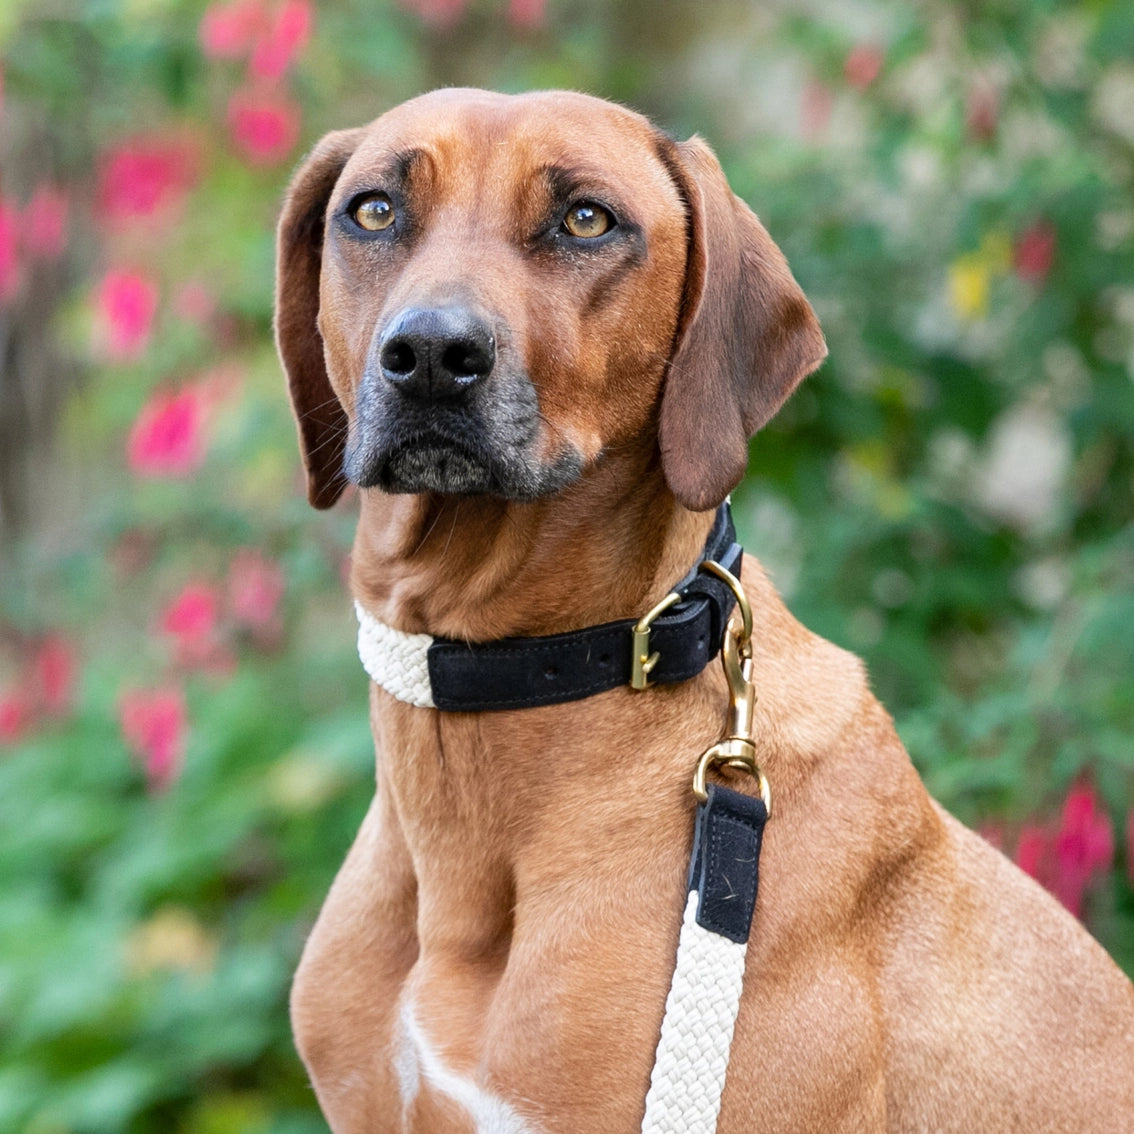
539,334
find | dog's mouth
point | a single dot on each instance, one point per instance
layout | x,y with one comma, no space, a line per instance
433,461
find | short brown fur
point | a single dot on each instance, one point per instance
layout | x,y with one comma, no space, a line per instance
519,875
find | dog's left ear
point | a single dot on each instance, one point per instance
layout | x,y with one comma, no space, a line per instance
746,335
319,416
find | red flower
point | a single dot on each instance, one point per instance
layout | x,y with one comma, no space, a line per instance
527,13
168,436
1066,861
15,715
284,41
53,675
144,175
127,302
264,125
1035,252
45,222
9,262
862,65
229,31
153,723
255,587
1084,846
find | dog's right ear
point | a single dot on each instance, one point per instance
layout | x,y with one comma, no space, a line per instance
746,335
319,416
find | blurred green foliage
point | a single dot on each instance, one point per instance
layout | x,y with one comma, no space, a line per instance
950,496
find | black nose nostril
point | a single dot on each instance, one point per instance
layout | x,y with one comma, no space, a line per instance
398,357
436,353
466,360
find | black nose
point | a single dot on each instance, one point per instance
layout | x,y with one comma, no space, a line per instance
434,353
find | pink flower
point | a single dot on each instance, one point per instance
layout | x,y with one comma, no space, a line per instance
229,31
255,587
168,436
153,722
1033,853
862,65
1084,846
527,13
15,715
45,222
53,675
284,41
815,113
127,302
439,13
9,261
982,112
264,125
192,617
1035,252
144,175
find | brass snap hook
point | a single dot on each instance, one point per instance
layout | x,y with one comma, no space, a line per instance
736,748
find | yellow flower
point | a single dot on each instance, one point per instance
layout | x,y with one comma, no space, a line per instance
172,939
971,274
969,278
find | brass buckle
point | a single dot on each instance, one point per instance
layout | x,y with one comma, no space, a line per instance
642,661
736,749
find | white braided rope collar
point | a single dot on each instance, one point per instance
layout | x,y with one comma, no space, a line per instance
395,660
708,977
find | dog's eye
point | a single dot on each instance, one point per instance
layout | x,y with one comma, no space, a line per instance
587,220
373,212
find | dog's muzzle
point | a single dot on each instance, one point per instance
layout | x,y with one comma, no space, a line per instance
442,408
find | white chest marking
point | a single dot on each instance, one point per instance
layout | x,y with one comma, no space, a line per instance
415,1060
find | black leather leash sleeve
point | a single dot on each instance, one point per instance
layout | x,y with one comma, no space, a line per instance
515,673
725,865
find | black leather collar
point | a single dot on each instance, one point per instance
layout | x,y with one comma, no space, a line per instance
514,673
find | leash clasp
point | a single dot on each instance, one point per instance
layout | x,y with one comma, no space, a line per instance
642,661
736,749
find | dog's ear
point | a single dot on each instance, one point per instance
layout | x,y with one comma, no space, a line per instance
319,417
746,335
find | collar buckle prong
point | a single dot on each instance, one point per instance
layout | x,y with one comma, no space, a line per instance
642,661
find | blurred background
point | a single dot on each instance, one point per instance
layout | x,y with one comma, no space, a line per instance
184,753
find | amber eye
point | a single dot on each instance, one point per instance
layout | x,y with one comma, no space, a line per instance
587,220
374,212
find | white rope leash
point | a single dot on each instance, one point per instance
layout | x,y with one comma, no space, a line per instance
708,978
700,1013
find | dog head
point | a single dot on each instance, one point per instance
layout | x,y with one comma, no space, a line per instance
481,293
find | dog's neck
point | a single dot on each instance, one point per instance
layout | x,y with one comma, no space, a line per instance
481,568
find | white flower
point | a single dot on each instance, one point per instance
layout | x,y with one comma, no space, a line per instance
1024,468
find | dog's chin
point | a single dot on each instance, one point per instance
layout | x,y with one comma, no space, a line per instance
434,466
